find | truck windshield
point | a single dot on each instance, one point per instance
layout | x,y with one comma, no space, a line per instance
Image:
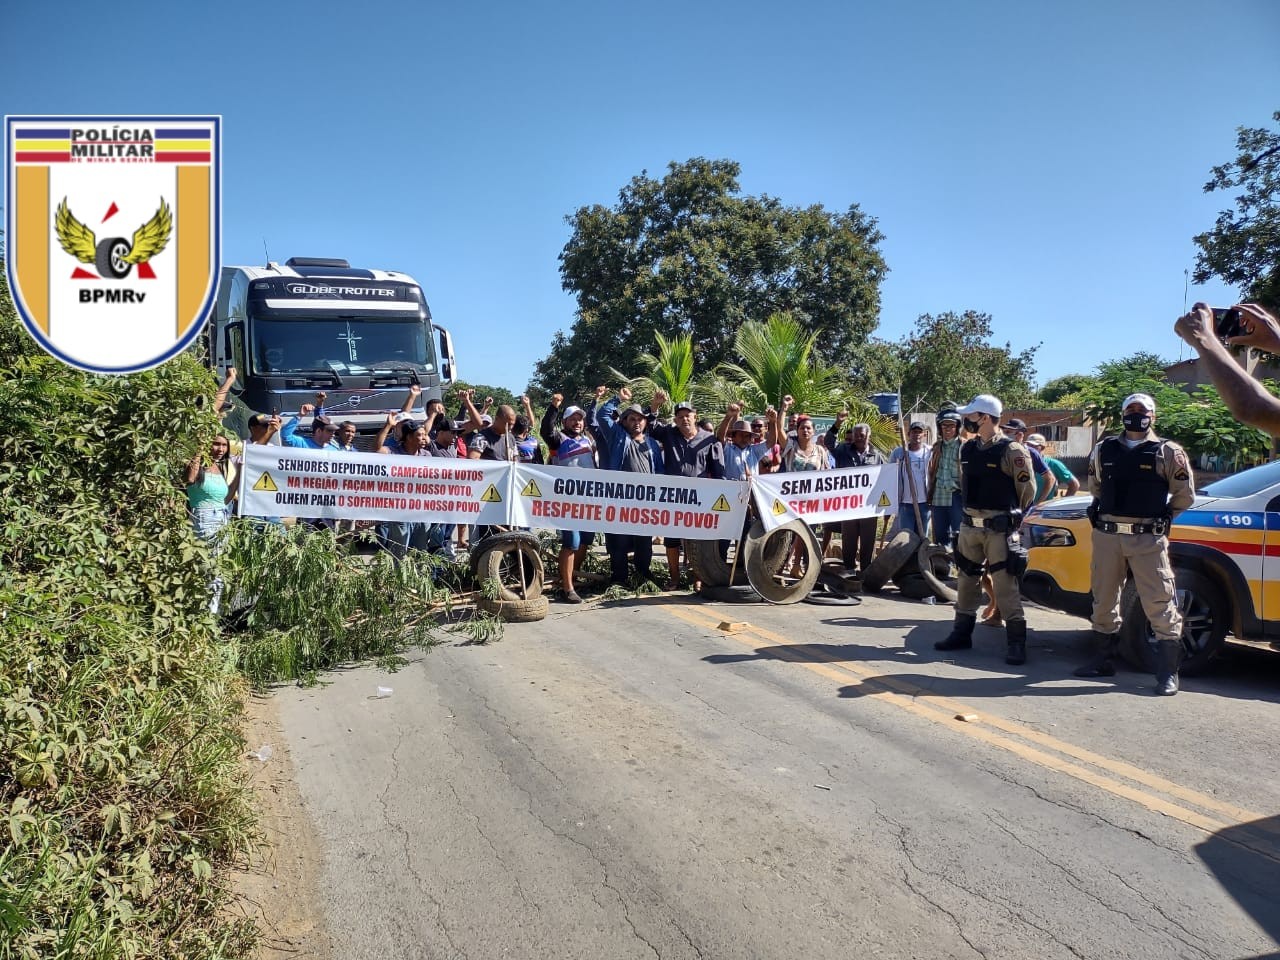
355,345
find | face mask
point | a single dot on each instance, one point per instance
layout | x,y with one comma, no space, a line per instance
971,425
1137,422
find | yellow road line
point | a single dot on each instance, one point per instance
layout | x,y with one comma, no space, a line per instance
904,694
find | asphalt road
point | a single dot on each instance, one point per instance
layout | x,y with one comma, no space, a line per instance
629,780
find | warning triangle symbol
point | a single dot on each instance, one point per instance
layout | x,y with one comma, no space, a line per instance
884,500
779,508
492,495
266,484
721,504
531,489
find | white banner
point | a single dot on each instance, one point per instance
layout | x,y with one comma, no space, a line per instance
826,496
297,482
569,498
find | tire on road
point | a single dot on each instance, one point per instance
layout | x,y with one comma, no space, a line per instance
735,594
767,555
704,560
515,611
499,558
934,562
889,561
1206,617
914,586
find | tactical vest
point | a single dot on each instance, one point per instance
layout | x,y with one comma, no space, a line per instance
986,486
1131,487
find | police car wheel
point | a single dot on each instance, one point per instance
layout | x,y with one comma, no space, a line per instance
1206,617
109,257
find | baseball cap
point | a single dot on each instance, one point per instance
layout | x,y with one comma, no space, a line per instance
634,408
983,403
323,421
949,415
570,411
1015,424
402,416
740,426
446,424
684,405
486,419
1035,440
1142,398
915,426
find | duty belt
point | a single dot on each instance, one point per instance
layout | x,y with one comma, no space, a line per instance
1001,523
1159,527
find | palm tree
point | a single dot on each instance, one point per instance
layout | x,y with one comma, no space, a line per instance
669,370
776,360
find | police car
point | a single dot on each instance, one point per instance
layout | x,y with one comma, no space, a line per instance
1225,552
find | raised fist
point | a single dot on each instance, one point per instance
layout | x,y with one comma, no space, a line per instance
321,397
788,400
414,390
306,409
735,409
624,394
558,398
601,391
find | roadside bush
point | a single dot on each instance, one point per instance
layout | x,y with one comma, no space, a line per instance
121,794
298,602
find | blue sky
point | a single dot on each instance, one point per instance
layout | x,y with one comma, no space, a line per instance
1039,162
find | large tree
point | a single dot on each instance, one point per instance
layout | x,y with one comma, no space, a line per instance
689,254
1243,248
948,357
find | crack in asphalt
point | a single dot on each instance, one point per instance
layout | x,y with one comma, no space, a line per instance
1092,815
590,851
1078,882
475,819
403,833
1155,905
899,832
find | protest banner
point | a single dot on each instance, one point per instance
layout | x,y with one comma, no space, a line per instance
297,482
826,496
568,498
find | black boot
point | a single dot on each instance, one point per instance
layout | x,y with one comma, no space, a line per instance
1167,658
961,635
1015,632
1103,664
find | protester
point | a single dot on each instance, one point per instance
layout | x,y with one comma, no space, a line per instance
526,442
399,536
571,446
220,404
687,451
745,448
946,505
632,450
913,480
857,537
210,488
323,429
1067,484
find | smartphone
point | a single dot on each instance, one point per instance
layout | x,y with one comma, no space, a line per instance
1227,322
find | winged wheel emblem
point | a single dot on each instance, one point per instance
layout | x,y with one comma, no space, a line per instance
115,256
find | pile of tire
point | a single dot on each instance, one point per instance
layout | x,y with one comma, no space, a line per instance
918,569
513,561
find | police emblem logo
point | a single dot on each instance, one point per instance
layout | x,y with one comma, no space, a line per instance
112,234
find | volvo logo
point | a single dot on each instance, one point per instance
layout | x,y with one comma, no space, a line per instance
353,401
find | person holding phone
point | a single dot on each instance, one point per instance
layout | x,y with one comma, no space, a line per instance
1246,398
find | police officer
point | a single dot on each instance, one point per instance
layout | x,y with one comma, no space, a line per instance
1139,484
996,486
